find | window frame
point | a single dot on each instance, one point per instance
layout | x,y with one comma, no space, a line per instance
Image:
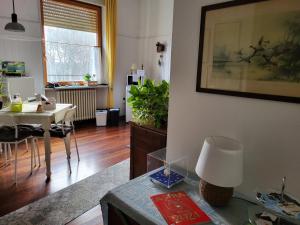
98,9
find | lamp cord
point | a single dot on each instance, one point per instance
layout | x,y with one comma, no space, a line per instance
244,199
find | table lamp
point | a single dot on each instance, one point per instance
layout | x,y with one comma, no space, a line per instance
220,167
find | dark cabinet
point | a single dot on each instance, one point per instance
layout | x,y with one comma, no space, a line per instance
144,140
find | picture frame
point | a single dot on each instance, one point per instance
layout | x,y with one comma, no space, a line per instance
250,48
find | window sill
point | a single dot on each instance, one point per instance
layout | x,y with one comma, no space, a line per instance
76,87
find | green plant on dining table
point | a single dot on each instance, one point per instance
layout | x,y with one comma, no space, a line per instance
149,102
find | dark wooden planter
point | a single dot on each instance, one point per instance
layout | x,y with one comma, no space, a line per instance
1,105
144,140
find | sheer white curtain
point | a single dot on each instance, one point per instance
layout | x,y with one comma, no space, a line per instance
71,53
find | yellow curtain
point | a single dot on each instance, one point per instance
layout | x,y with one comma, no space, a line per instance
111,27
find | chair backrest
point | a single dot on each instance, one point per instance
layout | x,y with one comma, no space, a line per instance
69,116
8,120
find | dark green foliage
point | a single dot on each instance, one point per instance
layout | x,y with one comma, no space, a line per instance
150,103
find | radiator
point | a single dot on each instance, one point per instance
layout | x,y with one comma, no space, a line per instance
84,99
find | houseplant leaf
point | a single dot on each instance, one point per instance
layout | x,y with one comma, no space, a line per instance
149,102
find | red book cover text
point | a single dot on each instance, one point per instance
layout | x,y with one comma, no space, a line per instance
179,209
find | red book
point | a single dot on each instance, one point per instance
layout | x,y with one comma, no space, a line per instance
178,208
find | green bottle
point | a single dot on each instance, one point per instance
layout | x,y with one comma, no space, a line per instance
16,103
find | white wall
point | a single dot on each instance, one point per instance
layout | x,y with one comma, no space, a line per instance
26,46
142,23
127,46
269,130
156,19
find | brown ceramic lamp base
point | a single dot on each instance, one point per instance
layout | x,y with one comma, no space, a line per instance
214,195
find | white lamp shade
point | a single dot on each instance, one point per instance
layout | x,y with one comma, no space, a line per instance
221,162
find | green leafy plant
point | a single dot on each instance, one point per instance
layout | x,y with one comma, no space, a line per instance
1,93
149,102
1,88
87,77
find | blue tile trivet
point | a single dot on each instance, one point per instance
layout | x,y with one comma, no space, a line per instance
167,181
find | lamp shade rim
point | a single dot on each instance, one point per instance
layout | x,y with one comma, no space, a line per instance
14,26
225,143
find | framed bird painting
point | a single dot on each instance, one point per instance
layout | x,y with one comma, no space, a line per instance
251,48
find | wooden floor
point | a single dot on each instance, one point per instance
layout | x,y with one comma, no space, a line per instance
98,147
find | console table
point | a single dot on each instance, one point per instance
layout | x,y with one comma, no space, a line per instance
131,204
144,140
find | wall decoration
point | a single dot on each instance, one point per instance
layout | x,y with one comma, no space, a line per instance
251,48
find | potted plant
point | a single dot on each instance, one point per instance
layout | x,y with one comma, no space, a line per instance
1,93
88,79
148,133
149,102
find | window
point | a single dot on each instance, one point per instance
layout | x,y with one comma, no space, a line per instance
72,40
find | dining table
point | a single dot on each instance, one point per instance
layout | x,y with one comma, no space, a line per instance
30,115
